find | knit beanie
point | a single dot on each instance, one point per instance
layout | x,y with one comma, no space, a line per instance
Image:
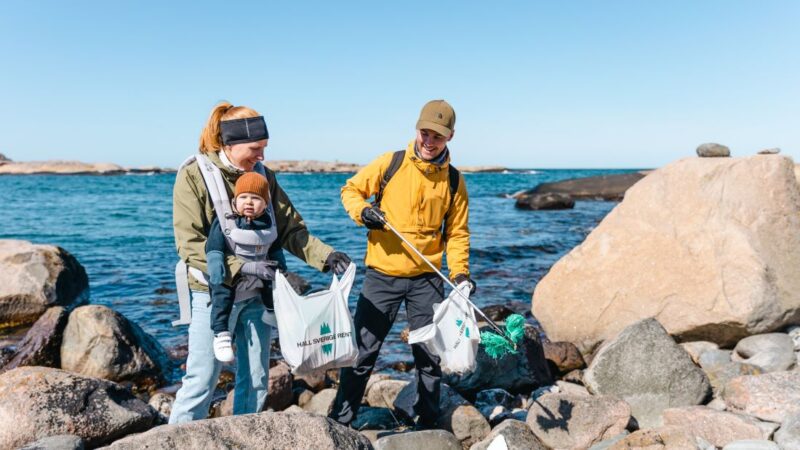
253,183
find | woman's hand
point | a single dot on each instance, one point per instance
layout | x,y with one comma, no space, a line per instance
337,261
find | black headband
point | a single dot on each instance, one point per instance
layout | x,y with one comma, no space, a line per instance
241,131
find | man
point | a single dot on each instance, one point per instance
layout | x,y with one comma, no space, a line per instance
425,199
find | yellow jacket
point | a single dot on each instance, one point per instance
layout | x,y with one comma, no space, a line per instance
415,202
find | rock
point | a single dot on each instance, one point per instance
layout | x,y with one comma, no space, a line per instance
492,397
61,168
696,348
517,373
717,404
563,356
383,393
266,430
294,409
772,352
456,414
298,283
574,376
771,397
428,440
497,313
494,414
603,187
4,158
41,345
751,445
315,381
711,359
719,375
718,428
36,402
703,245
548,201
404,335
322,402
60,442
712,150
162,403
794,332
514,434
279,390
571,388
36,277
666,438
607,443
565,421
769,151
302,396
788,436
370,418
644,367
100,342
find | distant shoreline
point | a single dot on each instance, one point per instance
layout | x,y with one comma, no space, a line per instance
8,167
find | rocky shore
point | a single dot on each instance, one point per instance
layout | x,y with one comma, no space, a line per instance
675,325
9,167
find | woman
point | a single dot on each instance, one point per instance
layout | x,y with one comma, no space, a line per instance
231,144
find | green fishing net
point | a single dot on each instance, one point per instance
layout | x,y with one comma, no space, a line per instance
497,346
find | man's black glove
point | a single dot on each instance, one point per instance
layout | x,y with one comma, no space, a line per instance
460,278
372,217
337,261
264,270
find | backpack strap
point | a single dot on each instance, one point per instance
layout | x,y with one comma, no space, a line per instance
454,177
394,166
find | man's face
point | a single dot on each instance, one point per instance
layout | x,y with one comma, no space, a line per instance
250,205
431,144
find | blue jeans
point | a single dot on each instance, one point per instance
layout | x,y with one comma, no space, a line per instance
252,339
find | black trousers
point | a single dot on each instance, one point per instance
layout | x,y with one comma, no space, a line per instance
378,304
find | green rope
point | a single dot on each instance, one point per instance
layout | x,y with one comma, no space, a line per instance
497,346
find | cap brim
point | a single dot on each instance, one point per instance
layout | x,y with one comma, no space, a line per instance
441,129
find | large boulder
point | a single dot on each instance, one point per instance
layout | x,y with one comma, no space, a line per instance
566,421
647,369
717,427
279,390
41,345
428,440
547,201
602,187
383,393
713,150
771,352
100,342
772,396
36,402
517,373
36,277
705,245
266,430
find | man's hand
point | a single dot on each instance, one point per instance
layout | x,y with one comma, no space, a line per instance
337,261
460,278
264,270
372,216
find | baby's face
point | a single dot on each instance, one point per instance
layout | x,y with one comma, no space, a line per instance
250,205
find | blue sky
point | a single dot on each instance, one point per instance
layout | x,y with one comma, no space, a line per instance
579,84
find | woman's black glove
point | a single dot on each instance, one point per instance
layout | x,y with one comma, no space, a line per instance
460,278
337,261
372,217
264,270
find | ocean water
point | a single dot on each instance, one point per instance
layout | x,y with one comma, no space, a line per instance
120,229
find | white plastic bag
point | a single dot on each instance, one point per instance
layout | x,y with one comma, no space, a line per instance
453,335
316,331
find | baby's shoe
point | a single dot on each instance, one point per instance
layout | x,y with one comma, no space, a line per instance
223,350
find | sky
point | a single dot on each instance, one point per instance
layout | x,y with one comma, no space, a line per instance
556,84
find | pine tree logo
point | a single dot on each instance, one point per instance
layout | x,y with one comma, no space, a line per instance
323,330
459,322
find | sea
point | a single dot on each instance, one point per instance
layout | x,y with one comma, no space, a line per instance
119,227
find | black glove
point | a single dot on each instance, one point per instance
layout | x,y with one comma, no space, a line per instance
460,278
372,217
337,261
264,270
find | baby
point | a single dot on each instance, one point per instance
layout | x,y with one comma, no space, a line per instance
250,201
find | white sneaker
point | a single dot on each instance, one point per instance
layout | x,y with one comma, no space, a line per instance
223,350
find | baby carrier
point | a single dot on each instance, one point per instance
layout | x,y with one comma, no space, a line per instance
248,245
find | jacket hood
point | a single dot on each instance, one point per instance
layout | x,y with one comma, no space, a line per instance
423,165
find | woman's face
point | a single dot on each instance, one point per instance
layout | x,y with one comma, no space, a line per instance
245,156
